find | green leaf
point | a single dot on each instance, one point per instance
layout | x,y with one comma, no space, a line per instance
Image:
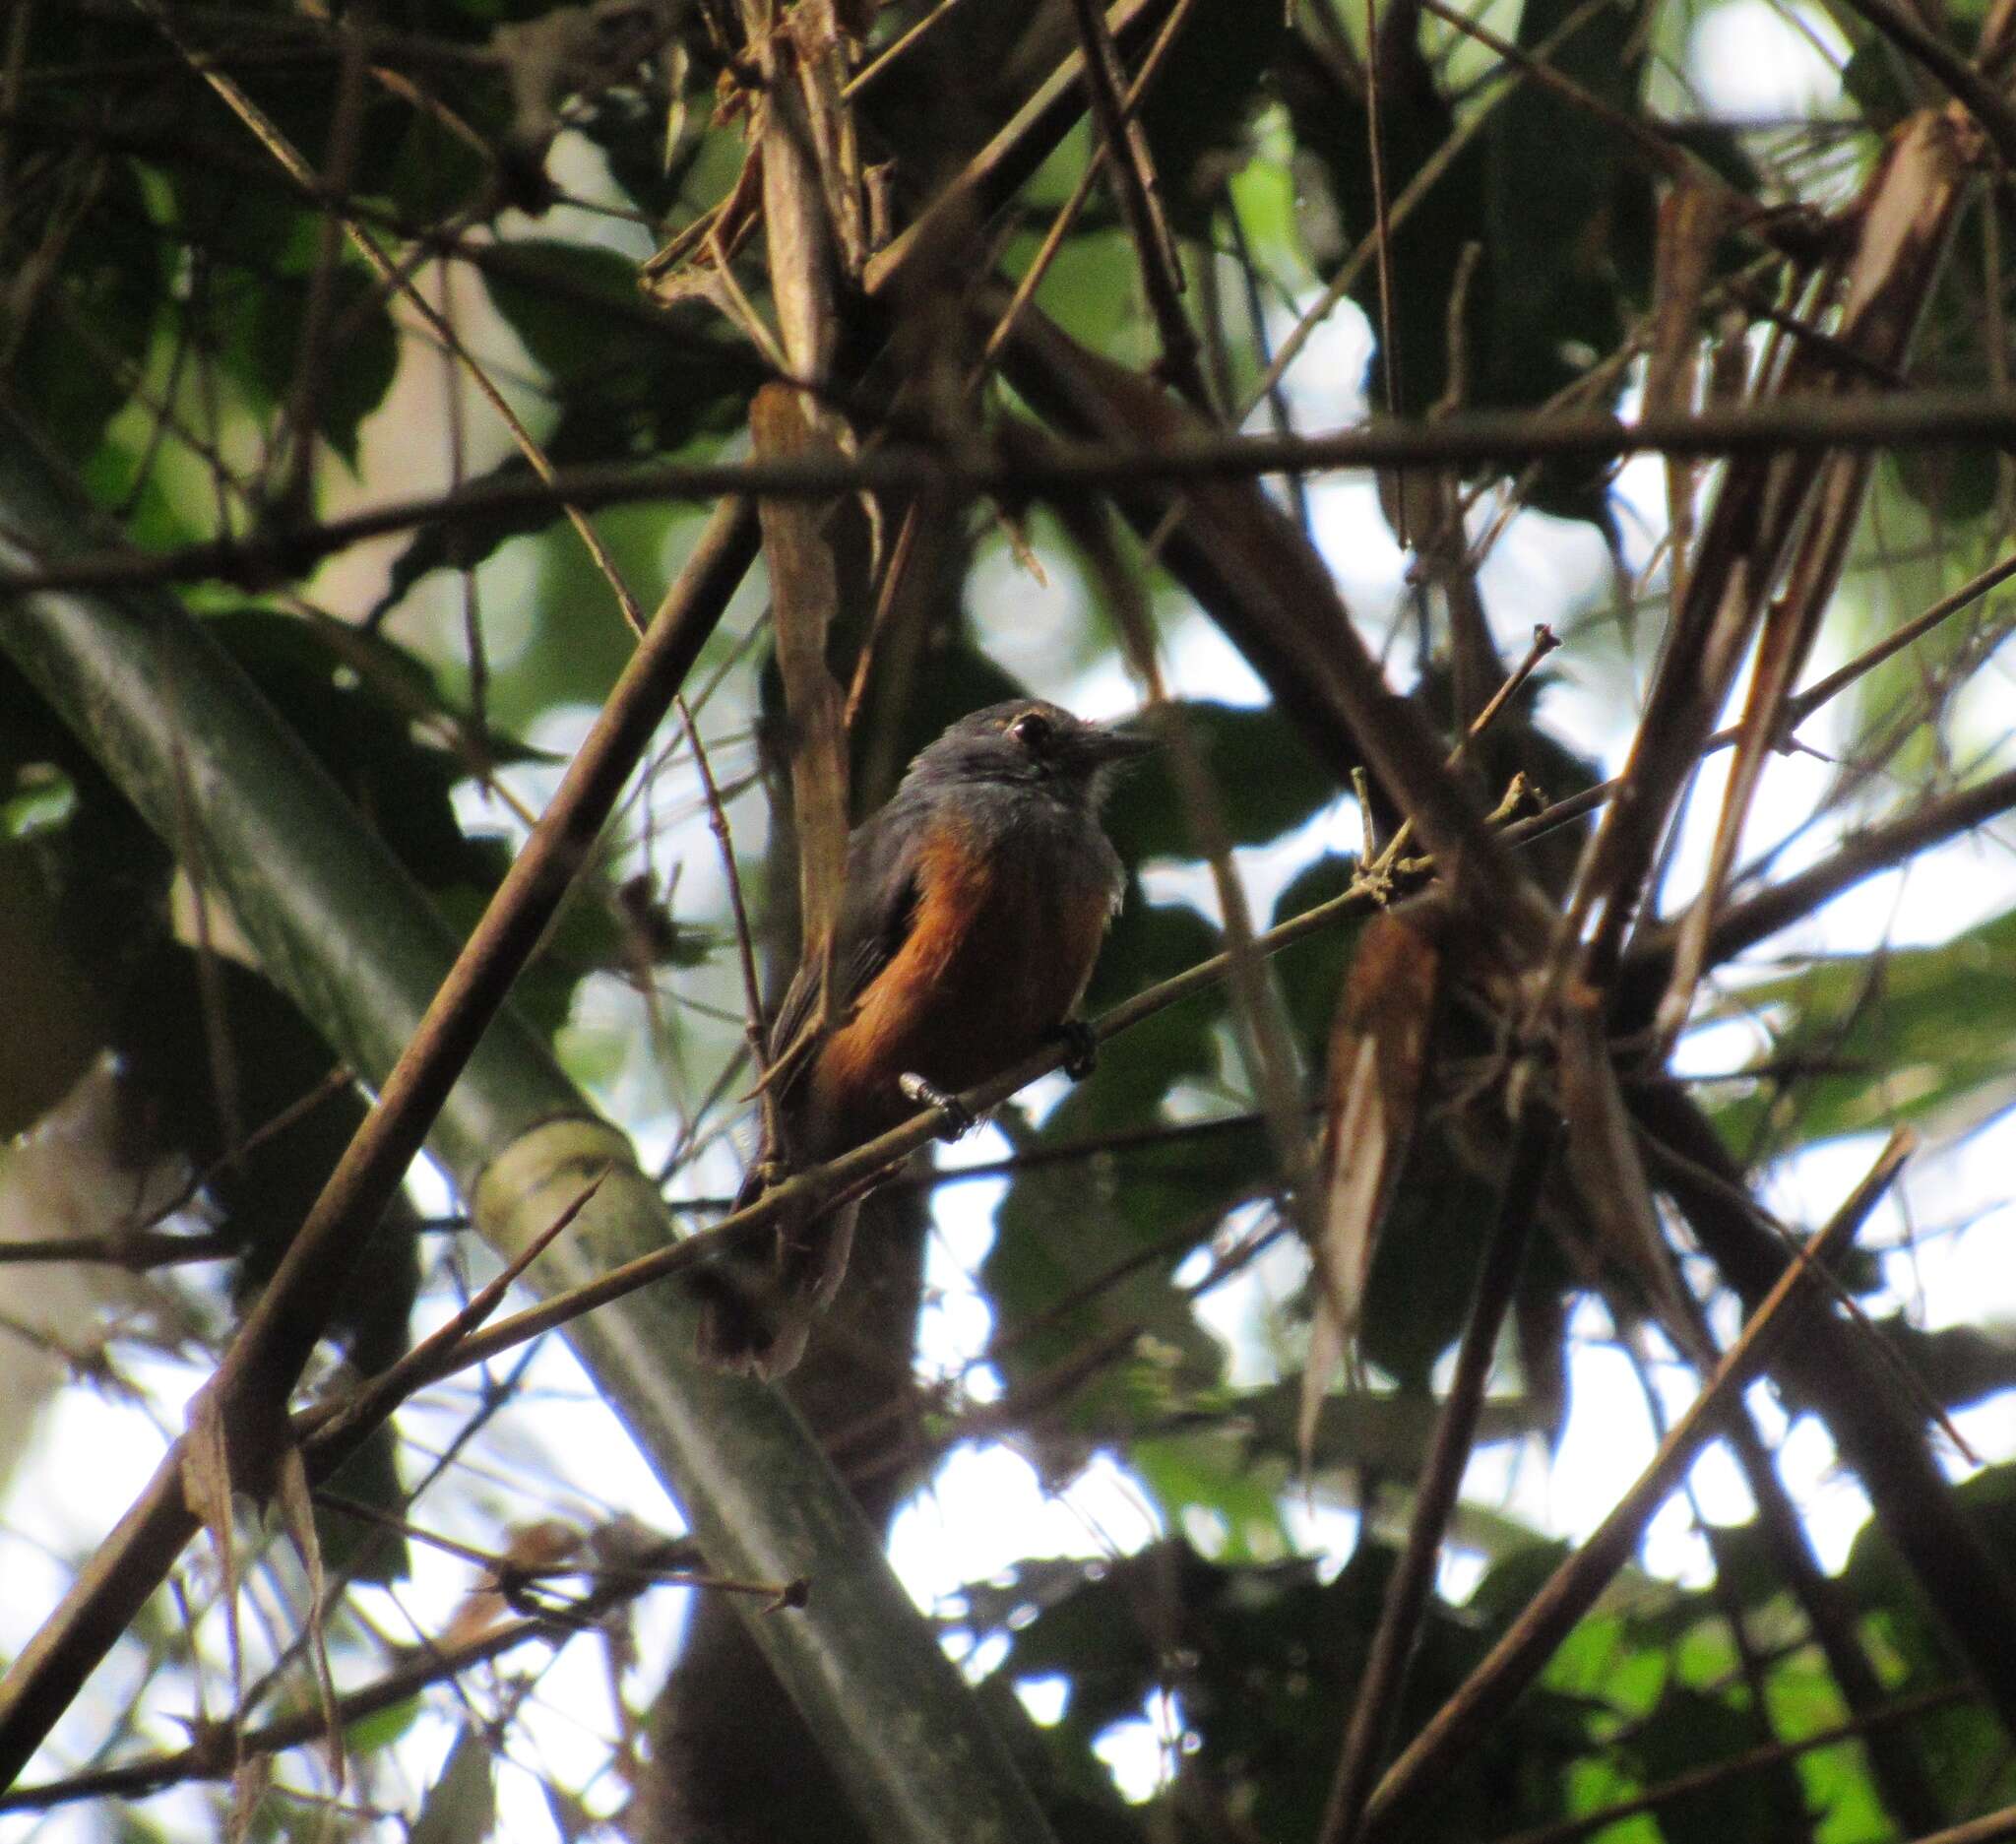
1562,262
1267,1661
1954,351
1266,779
360,725
1311,973
1205,1476
83,336
1195,114
356,362
657,376
1564,256
1925,1035
461,1805
1065,1226
1691,1728
368,1734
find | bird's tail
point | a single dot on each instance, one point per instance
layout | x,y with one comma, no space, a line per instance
756,1308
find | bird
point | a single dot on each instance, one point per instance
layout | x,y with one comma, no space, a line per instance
974,905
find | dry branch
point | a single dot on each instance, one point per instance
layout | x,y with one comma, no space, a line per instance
1377,1707
1909,419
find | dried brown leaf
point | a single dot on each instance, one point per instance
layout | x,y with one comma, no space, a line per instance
1378,1058
1905,220
1609,1176
207,1491
805,598
296,1502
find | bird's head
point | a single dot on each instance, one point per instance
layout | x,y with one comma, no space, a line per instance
1027,742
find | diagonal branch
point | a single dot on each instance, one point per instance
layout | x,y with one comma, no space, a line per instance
1407,1594
338,925
248,1394
1837,1371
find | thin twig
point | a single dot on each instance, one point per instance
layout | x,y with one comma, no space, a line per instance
1798,709
1424,179
1378,1708
145,1245
376,1400
1391,855
1067,213
396,278
745,941
209,1756
1910,419
1161,262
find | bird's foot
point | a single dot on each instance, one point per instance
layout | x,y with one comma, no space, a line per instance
1080,1048
957,1121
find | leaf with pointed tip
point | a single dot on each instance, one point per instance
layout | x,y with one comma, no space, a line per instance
1378,1059
1921,1035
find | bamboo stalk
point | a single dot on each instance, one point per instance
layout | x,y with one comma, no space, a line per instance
340,924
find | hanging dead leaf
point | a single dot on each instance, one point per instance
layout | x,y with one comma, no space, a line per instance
296,1502
1609,1176
805,598
1378,1057
207,1491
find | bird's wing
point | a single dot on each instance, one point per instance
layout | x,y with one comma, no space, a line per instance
875,919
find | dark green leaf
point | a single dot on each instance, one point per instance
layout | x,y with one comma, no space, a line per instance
664,375
1066,1225
1690,1730
1267,782
1311,973
84,335
1196,112
360,353
1918,1035
361,729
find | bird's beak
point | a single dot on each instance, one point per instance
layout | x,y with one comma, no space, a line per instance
1107,747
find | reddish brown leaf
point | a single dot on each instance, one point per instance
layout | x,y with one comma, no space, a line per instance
1378,1057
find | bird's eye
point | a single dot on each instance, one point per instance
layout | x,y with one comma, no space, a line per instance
1033,730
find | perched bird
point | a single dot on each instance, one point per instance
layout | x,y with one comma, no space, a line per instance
974,905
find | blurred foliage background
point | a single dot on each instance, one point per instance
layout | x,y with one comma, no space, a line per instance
1117,1308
